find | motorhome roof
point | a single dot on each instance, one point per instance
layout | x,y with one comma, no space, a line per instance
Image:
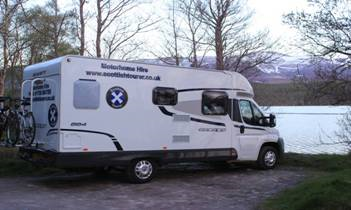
60,59
239,81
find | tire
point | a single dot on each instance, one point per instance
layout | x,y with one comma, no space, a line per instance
28,128
2,126
268,158
141,171
12,129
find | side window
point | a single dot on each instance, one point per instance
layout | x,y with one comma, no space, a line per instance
86,94
214,103
250,113
246,111
257,113
164,96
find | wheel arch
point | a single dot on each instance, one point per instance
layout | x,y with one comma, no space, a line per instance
157,160
275,145
272,144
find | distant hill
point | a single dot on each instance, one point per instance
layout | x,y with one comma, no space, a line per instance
284,68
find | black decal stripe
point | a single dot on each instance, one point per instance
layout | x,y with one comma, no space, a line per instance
252,128
51,131
199,89
115,142
165,111
90,80
118,146
88,131
168,113
207,122
255,128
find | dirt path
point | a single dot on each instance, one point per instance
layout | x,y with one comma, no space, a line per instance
177,187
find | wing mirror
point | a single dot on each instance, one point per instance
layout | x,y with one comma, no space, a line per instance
272,120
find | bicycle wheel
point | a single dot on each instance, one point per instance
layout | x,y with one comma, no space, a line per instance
2,126
12,129
27,128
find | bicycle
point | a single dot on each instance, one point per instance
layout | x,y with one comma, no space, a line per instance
25,124
18,122
8,126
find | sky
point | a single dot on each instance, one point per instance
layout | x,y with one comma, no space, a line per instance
267,15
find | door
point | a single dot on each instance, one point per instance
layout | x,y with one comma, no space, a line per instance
44,103
249,130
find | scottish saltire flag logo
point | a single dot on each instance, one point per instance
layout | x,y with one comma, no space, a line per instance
52,115
116,97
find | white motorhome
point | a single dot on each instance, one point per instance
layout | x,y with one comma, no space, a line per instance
93,112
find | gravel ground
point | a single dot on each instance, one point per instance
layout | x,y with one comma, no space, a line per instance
175,187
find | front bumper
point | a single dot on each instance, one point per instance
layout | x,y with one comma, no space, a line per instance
281,146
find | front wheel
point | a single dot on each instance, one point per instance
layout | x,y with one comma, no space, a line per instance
141,171
268,158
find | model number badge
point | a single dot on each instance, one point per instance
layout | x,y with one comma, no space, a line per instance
212,129
116,97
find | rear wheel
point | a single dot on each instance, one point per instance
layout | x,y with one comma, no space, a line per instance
12,129
2,126
141,171
268,158
28,128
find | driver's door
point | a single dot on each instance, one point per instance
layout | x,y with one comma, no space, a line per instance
250,129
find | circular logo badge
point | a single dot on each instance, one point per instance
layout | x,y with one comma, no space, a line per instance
52,115
116,97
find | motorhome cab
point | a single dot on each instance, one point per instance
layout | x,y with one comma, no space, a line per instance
107,113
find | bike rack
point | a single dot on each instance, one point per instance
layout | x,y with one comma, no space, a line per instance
31,89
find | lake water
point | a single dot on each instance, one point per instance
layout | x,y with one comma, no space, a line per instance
309,129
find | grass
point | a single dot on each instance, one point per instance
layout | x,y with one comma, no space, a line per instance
324,162
329,187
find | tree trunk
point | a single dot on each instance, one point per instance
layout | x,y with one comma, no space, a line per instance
195,62
98,29
219,48
13,81
82,27
5,33
175,36
2,84
56,33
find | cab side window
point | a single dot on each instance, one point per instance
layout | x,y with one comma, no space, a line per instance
250,113
257,113
246,112
214,103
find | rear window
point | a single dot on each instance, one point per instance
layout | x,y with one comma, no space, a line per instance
86,94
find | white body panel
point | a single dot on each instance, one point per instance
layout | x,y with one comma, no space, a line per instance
140,125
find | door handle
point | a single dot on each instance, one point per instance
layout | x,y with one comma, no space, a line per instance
242,129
